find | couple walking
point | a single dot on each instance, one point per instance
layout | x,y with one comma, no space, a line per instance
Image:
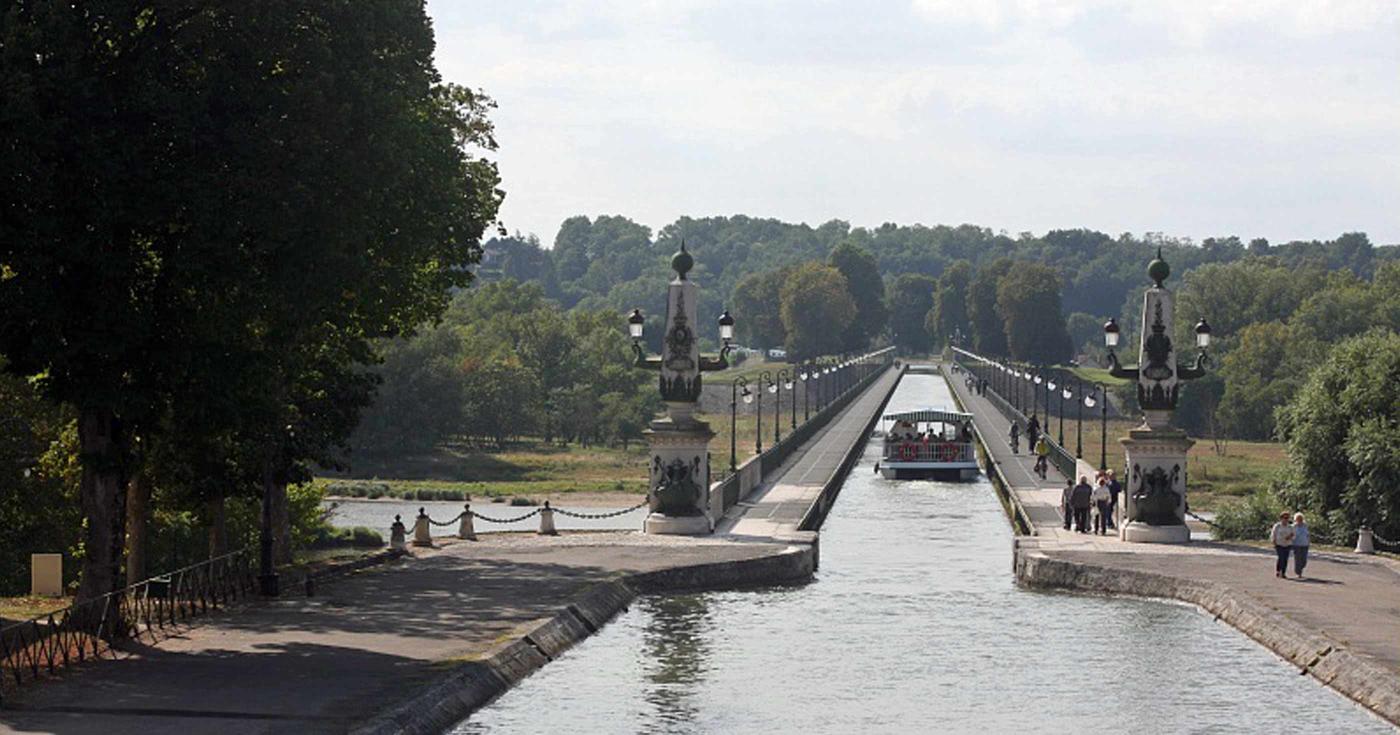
1290,538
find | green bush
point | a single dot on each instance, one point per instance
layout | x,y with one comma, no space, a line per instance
328,537
522,500
1248,519
355,489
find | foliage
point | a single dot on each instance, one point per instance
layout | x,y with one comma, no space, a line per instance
867,291
988,325
816,310
949,315
911,299
1028,299
756,305
1341,430
1250,518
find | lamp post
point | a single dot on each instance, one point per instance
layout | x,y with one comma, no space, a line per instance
791,386
679,469
1103,440
1156,452
1079,430
758,415
775,386
1035,397
1064,394
734,387
807,376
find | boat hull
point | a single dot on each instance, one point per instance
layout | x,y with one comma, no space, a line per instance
945,471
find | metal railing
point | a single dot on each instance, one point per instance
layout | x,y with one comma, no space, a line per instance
916,451
93,628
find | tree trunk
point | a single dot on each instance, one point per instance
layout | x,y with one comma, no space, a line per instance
103,495
218,526
138,501
281,523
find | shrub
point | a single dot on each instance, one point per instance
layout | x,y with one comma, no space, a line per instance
522,500
1248,519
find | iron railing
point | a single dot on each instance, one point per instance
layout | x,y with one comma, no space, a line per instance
915,451
93,628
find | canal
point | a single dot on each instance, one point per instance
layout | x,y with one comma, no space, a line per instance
914,623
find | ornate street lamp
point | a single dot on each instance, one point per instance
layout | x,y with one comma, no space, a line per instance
790,385
1103,440
807,374
734,387
1065,395
1079,433
1156,452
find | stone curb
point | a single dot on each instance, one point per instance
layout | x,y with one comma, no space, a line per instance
1373,686
467,687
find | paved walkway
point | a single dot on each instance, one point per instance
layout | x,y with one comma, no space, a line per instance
373,639
775,509
1352,600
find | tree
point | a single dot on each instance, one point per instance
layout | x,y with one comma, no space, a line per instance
816,310
1340,429
867,291
255,232
1028,298
419,401
911,298
988,328
757,308
949,314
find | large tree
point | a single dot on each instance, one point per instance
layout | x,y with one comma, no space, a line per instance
1340,428
988,327
816,310
911,298
757,308
867,292
949,314
222,196
1028,299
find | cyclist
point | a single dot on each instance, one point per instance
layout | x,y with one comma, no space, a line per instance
1042,454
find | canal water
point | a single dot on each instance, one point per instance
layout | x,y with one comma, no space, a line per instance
914,623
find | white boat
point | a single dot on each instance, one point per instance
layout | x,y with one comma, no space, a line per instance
929,444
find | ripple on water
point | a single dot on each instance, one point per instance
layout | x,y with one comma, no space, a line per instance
915,624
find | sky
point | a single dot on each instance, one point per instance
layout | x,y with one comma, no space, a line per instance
1203,118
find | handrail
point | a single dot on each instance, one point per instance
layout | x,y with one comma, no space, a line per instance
91,628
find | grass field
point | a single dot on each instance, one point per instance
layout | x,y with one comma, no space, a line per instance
24,607
1096,375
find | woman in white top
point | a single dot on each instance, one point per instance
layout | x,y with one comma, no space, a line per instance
1282,536
1300,545
1101,498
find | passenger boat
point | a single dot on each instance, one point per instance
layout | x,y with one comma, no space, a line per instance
929,444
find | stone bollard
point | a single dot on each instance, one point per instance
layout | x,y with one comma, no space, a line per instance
547,521
1365,541
422,534
396,535
465,530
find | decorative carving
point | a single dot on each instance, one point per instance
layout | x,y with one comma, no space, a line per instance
679,340
1156,499
677,490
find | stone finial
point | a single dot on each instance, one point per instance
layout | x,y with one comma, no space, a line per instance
682,262
1158,270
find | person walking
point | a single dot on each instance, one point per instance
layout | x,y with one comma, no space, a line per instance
1065,508
1101,498
1015,438
1114,488
1300,545
1282,535
1042,454
1081,499
1032,431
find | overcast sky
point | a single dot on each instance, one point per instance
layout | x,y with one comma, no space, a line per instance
1247,117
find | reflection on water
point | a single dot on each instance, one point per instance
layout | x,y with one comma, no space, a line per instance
915,624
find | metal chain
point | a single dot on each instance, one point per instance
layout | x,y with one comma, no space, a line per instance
1206,521
446,523
1382,540
517,519
596,516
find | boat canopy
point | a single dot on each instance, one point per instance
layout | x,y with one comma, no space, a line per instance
929,414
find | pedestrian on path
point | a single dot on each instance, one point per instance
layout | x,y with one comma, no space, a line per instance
1101,500
1032,431
1081,499
1015,438
1065,506
1282,536
1114,488
1300,545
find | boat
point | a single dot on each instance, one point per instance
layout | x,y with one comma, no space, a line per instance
929,444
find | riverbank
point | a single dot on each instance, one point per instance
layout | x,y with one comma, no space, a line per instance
433,634
1339,625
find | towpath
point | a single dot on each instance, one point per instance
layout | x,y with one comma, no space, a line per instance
378,638
1348,600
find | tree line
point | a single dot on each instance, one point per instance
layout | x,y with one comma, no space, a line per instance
212,215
